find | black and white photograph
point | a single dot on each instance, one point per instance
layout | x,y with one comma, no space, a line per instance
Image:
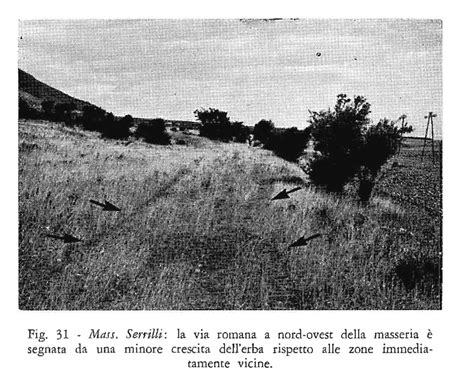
230,164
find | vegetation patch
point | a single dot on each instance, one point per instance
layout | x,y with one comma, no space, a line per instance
198,229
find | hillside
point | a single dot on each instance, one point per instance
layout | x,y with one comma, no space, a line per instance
197,229
34,92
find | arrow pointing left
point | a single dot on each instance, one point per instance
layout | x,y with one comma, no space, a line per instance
107,206
303,241
284,193
66,238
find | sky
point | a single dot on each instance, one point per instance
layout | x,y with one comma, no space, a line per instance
254,69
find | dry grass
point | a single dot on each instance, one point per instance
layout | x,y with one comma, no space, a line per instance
197,230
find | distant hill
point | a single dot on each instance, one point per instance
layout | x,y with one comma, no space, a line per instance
34,92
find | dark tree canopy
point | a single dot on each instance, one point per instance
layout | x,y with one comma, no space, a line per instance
117,129
263,130
338,137
287,143
346,148
25,111
239,132
48,108
215,124
93,118
63,112
154,132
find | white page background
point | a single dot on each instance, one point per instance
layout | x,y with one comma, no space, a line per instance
451,327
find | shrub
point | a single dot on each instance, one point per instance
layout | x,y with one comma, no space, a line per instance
93,118
263,130
154,132
287,143
63,112
338,138
425,273
25,111
346,148
214,124
48,109
381,142
240,133
116,129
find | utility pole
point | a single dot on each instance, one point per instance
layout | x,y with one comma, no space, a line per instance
429,122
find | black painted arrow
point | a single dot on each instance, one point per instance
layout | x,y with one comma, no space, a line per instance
66,238
284,194
107,206
302,241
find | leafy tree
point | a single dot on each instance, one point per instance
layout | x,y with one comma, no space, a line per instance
108,125
48,109
382,141
346,148
63,112
117,129
338,137
287,143
240,133
263,130
214,124
93,118
25,111
153,132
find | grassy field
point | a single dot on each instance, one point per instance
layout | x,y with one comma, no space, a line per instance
197,229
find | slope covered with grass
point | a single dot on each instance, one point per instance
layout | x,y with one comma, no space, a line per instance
197,230
34,92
